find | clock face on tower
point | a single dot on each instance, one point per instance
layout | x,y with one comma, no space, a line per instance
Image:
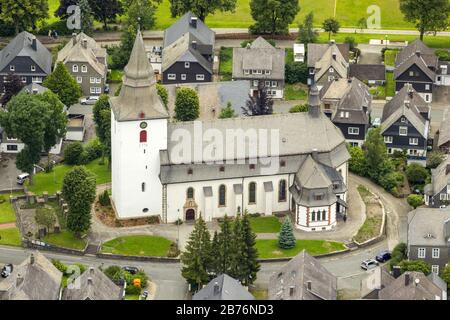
143,125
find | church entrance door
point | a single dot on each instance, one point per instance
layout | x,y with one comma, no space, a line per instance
190,215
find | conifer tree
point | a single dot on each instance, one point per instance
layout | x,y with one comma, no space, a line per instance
286,238
224,255
61,82
251,265
197,257
238,252
214,258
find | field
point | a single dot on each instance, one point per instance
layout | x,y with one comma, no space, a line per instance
269,248
65,239
10,237
138,246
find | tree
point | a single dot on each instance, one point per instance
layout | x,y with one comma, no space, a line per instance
61,12
61,82
163,94
227,112
273,16
415,200
187,105
101,104
251,265
224,255
238,251
140,13
306,32
446,275
427,15
73,153
23,14
357,163
106,128
351,43
286,237
398,254
375,152
78,191
106,10
415,265
331,25
121,54
45,217
215,267
87,18
416,173
434,159
12,86
201,8
299,108
258,105
196,258
296,72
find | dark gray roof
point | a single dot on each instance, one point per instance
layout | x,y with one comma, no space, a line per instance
317,50
427,54
21,46
440,177
367,72
414,60
444,130
223,287
428,227
93,285
303,278
34,88
204,34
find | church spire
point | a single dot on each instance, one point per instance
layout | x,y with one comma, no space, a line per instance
314,102
138,67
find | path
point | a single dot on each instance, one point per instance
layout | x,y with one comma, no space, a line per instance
8,225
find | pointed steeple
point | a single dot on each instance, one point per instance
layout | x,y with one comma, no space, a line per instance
314,102
138,99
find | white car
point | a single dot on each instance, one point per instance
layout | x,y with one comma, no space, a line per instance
376,122
369,264
89,100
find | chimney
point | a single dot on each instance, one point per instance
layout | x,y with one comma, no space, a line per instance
89,281
194,22
308,285
19,280
418,53
32,259
314,156
396,272
291,291
35,91
406,279
332,42
314,102
216,288
84,43
416,282
334,55
349,80
407,104
91,270
74,38
34,43
194,44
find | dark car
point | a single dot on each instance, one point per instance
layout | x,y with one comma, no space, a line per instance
131,269
383,256
7,270
106,90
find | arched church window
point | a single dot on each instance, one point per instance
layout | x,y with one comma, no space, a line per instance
190,193
313,216
282,191
252,193
324,215
222,195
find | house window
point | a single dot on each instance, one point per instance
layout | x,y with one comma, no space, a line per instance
313,216
33,68
331,70
222,169
311,71
388,139
24,79
421,253
190,171
12,68
318,197
84,68
414,141
143,136
98,80
11,147
187,65
389,150
274,84
252,193
435,253
92,80
413,152
267,83
171,76
36,79
183,76
143,186
75,68
95,90
324,215
257,71
255,83
353,131
411,73
79,79
222,195
427,87
403,131
190,193
246,72
403,120
282,191
200,77
342,114
435,269
267,72
282,163
252,166
347,114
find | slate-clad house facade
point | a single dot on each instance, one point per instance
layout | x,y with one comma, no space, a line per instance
437,193
406,124
188,51
26,57
417,65
429,237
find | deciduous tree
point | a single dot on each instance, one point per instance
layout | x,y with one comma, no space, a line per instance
141,13
261,104
23,14
87,18
331,26
415,265
273,16
306,32
201,8
187,105
61,82
12,86
106,10
415,200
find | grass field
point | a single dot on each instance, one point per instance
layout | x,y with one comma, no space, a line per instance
65,239
269,248
10,237
265,224
390,84
389,57
52,182
139,245
7,214
294,92
226,63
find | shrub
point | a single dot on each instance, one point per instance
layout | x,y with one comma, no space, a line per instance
416,173
286,238
163,94
131,289
173,251
60,266
103,199
94,149
179,222
2,199
299,108
415,265
296,72
153,220
434,159
415,200
73,153
187,105
389,181
59,26
115,273
443,54
398,254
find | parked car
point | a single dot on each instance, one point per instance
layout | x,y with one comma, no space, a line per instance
144,295
106,90
131,269
376,122
369,264
22,177
7,270
383,256
89,100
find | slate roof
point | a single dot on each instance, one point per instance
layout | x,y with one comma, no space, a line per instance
368,72
260,55
317,50
440,177
138,98
444,130
407,102
340,64
419,54
429,227
295,276
21,46
93,285
34,279
204,34
377,279
34,87
416,286
223,287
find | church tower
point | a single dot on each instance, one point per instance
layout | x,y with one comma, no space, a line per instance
138,131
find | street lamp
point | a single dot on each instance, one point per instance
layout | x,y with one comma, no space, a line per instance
178,229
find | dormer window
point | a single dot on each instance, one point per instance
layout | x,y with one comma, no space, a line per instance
187,64
12,68
33,68
318,197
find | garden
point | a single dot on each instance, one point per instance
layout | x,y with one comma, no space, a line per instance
269,248
140,245
374,216
9,233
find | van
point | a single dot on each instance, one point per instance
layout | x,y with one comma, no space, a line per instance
22,177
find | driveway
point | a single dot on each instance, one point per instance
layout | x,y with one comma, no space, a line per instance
8,173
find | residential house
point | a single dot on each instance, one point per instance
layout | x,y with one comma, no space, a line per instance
93,284
263,65
34,88
372,74
443,73
348,103
86,61
406,124
437,193
429,237
36,278
302,278
443,141
417,65
188,51
26,57
299,52
223,287
327,62
376,280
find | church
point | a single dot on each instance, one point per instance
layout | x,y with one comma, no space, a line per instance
181,170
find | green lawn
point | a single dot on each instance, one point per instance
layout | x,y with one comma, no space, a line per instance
389,57
226,63
294,92
7,213
52,182
390,84
65,239
265,224
131,297
10,237
115,76
378,92
269,248
139,245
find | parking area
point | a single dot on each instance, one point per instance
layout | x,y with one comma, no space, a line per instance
8,173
